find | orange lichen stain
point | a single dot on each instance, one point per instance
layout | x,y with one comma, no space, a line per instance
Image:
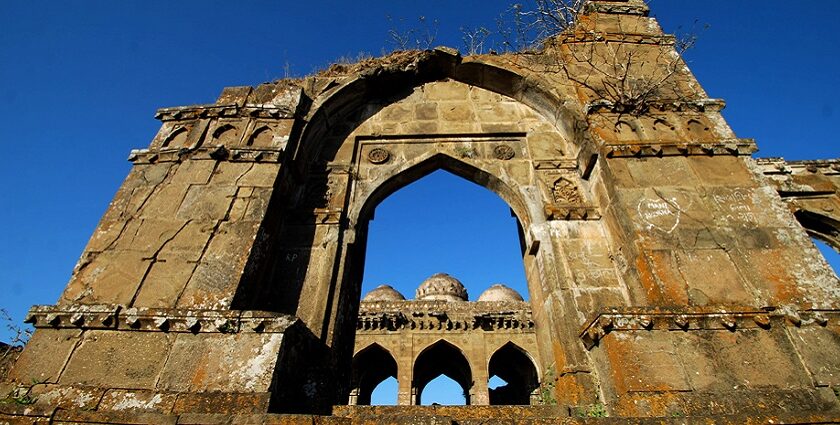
776,278
674,284
648,280
618,353
199,375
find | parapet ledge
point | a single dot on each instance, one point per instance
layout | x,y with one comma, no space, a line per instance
118,317
664,105
444,316
731,147
729,318
193,112
622,7
218,153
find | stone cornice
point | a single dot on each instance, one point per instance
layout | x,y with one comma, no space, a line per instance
117,317
778,166
622,7
620,37
218,153
183,113
736,147
606,106
395,316
695,318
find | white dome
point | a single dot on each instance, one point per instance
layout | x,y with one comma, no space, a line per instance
384,293
441,287
500,292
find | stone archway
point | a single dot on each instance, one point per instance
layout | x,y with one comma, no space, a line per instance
371,366
441,358
513,365
369,147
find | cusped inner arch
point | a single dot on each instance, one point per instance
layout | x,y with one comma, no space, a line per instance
442,358
421,167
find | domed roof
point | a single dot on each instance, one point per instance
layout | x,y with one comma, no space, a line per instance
441,287
499,292
384,293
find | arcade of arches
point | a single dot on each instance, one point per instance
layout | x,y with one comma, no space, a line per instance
670,274
441,333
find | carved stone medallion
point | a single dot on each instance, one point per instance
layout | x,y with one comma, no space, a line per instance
503,152
379,156
565,192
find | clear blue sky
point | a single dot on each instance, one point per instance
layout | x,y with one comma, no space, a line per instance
80,81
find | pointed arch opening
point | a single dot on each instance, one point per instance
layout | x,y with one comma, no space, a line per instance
261,137
176,139
422,167
225,134
371,367
441,358
821,227
436,206
515,367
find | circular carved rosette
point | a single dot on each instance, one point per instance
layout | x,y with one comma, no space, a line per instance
379,156
503,152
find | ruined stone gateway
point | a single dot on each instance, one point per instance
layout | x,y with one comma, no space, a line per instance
670,275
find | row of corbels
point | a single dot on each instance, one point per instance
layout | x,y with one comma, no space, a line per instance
218,153
700,105
164,320
222,111
572,213
731,321
681,149
389,323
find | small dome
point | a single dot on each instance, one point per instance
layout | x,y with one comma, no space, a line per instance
384,293
499,292
441,287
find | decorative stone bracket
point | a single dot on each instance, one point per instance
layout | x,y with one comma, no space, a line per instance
117,317
695,318
218,153
572,212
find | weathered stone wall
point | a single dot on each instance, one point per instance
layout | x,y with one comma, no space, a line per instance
669,274
182,226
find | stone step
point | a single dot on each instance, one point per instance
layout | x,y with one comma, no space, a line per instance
454,412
